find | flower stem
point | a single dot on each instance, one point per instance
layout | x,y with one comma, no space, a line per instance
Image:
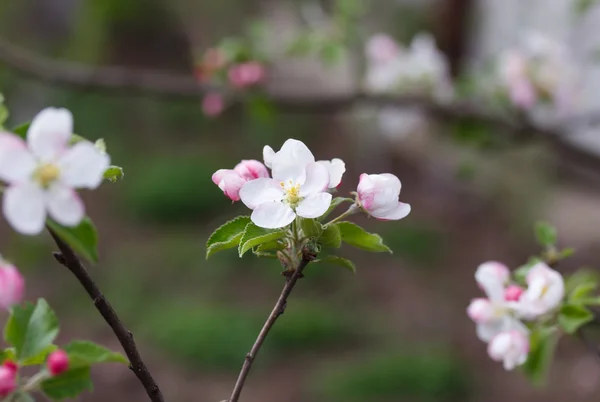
351,211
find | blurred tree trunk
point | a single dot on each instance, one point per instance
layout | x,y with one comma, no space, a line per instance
452,28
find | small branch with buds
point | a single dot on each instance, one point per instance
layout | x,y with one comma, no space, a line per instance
67,257
277,311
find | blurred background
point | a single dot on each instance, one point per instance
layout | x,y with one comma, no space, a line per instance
395,331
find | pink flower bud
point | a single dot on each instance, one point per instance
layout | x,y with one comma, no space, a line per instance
8,381
58,362
382,48
230,182
251,169
213,104
11,365
378,196
513,293
246,74
12,285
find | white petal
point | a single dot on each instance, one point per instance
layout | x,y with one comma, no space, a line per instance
65,206
268,155
317,179
401,210
273,215
259,191
16,162
314,206
492,276
49,133
486,331
336,168
290,162
83,166
24,208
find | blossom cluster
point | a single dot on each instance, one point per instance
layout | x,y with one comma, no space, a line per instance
298,185
537,71
501,314
229,68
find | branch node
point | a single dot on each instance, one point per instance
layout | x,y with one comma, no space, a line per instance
58,256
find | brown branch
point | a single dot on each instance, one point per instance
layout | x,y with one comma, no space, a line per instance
178,85
277,311
68,258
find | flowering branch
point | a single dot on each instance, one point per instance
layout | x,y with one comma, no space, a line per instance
67,257
277,311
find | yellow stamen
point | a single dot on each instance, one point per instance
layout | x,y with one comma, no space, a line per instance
46,174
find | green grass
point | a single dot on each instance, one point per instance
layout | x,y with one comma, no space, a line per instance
425,375
217,337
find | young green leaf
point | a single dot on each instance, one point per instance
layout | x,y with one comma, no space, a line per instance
270,246
84,353
21,130
574,316
342,262
582,291
114,173
227,236
82,238
254,235
331,237
542,343
545,234
360,238
582,277
311,227
69,384
38,359
31,329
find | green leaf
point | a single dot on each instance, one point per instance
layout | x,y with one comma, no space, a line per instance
254,235
82,238
342,262
332,53
311,227
542,343
40,358
580,278
21,130
3,114
574,316
360,238
545,234
566,252
331,237
31,329
8,354
582,291
227,236
69,384
114,173
84,353
100,145
269,246
334,204
521,272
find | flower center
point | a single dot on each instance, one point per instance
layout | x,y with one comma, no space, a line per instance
292,192
46,174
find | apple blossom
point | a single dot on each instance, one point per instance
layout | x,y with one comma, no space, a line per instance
43,173
382,48
545,291
8,381
58,362
492,314
246,74
298,187
510,347
230,181
513,293
12,285
12,365
336,168
378,196
213,104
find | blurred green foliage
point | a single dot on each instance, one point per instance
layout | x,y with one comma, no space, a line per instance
417,243
428,374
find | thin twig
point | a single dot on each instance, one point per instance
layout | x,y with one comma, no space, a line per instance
277,311
68,258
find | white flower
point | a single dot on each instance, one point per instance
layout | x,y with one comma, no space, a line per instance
381,48
545,291
510,347
230,181
336,168
12,285
297,188
43,173
494,314
378,196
